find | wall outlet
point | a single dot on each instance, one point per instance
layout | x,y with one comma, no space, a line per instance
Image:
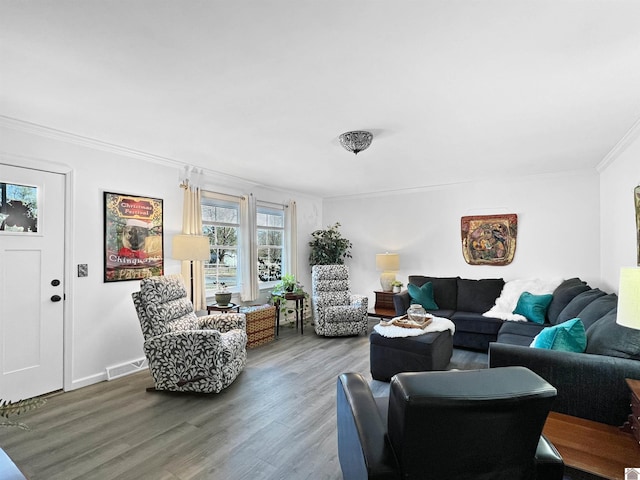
83,270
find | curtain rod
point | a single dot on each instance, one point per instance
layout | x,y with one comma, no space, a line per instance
274,204
222,196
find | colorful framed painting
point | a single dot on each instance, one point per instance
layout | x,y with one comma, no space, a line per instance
133,239
489,239
636,195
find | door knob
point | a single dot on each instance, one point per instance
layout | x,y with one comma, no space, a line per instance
55,282
56,298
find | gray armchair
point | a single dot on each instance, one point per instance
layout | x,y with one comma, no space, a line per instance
187,353
336,312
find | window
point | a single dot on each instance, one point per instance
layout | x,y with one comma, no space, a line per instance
221,223
18,208
270,241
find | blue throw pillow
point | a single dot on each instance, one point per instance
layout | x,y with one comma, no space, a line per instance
423,295
533,307
568,336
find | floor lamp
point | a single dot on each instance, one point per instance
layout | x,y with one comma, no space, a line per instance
191,248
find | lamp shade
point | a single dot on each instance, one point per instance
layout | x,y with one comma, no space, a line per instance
191,247
387,262
629,298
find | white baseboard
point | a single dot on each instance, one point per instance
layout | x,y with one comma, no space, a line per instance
127,368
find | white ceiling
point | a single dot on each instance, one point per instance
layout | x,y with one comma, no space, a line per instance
452,89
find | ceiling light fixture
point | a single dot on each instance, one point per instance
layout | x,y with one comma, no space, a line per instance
356,141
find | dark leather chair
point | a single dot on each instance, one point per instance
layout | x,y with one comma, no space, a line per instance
454,425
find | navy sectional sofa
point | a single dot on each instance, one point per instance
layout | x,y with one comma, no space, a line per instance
463,301
592,384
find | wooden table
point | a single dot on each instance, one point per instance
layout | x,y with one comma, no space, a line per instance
227,308
592,447
384,306
633,425
299,301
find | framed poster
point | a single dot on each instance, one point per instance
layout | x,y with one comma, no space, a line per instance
133,241
489,239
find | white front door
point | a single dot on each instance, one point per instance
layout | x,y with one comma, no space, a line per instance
31,282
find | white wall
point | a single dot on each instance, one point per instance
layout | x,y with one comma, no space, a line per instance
558,229
559,233
101,327
618,234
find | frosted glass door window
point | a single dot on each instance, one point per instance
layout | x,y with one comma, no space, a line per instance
18,208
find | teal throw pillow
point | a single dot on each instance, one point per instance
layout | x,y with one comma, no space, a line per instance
423,295
567,336
533,307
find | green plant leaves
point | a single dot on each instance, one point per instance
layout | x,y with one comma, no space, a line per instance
8,408
329,247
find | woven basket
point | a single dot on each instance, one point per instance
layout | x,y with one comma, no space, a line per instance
261,324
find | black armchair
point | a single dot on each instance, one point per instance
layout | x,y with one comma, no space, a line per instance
480,425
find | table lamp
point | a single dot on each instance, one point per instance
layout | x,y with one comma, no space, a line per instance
629,298
191,248
388,264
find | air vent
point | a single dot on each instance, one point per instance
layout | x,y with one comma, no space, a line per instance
117,371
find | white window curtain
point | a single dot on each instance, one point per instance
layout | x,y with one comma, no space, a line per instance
248,260
192,225
291,239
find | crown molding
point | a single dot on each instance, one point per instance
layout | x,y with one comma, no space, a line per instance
458,184
72,138
42,131
632,134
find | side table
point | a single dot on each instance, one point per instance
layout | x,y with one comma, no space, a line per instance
227,308
384,306
634,417
299,299
261,320
591,447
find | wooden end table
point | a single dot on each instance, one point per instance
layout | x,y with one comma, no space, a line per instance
592,447
299,299
227,308
633,424
384,306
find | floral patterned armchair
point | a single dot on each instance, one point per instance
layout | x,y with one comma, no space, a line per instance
336,312
187,353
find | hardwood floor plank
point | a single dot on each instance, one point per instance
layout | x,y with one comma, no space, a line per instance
276,421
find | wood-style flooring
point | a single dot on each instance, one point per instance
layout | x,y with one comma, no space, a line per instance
276,421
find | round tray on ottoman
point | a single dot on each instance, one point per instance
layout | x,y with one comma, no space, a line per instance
388,356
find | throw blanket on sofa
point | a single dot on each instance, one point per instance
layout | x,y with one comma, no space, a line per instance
508,299
438,324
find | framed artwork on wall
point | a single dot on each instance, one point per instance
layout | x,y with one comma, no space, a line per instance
133,239
636,197
489,239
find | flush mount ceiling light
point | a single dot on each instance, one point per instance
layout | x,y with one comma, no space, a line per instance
356,141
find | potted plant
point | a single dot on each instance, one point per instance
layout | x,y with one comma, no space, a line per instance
329,247
397,286
8,408
287,284
223,296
